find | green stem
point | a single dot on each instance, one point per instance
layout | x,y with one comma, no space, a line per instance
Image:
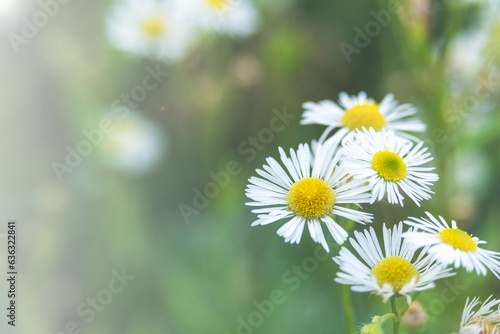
396,320
346,292
405,308
348,309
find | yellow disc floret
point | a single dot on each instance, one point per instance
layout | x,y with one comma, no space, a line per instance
311,198
365,115
458,239
395,271
389,166
153,26
218,4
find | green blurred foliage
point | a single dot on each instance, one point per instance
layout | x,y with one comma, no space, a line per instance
205,275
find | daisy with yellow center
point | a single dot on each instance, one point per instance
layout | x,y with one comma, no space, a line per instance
311,190
452,246
233,17
484,320
355,112
390,164
219,4
151,28
392,272
135,145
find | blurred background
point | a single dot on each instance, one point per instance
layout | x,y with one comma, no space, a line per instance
98,196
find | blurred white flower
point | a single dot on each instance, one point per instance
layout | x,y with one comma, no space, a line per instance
134,144
235,17
466,56
151,28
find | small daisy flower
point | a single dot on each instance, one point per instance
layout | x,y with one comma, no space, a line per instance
393,272
355,112
134,143
150,28
485,320
389,164
235,17
451,245
310,190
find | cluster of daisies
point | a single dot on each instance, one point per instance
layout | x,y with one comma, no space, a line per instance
368,153
165,29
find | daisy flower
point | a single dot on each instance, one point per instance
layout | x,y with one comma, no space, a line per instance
311,189
355,112
389,164
393,272
134,143
451,245
485,320
235,17
150,28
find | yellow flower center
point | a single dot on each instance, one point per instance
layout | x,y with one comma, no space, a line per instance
218,4
395,271
365,115
458,239
311,198
389,166
153,26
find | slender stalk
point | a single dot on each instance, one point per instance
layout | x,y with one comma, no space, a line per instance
396,320
405,308
350,318
348,309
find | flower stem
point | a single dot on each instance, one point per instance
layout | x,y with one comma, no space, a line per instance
396,320
348,309
405,308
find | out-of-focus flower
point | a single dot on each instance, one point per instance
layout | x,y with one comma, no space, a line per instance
389,164
235,17
355,112
151,28
415,315
247,71
393,272
485,320
134,143
466,56
450,245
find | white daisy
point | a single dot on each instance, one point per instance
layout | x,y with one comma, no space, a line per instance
485,320
311,189
355,112
235,17
393,272
450,245
134,143
390,164
150,28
